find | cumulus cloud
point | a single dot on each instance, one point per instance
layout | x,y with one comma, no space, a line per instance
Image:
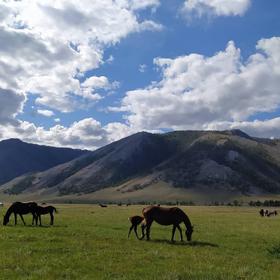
196,92
46,113
11,103
199,8
85,134
46,46
260,128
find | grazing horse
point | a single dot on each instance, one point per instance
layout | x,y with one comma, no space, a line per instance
39,210
167,216
135,221
262,212
21,209
272,213
102,205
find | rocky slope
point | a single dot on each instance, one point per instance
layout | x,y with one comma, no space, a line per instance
230,161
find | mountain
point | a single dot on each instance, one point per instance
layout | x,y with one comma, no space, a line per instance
204,161
18,158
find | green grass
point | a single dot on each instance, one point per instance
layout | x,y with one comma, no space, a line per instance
89,242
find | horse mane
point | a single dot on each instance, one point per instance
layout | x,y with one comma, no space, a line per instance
187,221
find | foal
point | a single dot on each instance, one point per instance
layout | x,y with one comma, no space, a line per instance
39,210
167,216
135,221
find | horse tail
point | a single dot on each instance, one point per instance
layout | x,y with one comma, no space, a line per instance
55,210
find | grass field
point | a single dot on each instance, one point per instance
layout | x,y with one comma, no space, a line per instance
89,242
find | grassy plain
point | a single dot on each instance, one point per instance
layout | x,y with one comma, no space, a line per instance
90,242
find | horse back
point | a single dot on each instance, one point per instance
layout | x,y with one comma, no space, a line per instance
164,215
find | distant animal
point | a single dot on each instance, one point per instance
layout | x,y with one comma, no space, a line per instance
39,210
262,212
135,221
166,216
20,208
266,212
102,205
272,213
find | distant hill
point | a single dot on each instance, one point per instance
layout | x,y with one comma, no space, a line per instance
204,161
18,158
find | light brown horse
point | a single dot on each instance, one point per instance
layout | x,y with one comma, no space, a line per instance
135,221
167,216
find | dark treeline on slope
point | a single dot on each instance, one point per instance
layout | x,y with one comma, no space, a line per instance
266,203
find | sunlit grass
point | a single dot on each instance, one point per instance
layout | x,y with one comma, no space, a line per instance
89,242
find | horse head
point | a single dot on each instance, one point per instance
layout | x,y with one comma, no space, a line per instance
6,220
189,232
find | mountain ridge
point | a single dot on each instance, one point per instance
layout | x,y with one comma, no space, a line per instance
215,161
18,157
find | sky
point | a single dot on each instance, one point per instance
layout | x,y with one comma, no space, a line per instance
82,74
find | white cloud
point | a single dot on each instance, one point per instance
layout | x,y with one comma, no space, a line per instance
94,83
196,91
46,49
142,68
200,8
46,113
11,103
259,128
47,45
143,4
85,134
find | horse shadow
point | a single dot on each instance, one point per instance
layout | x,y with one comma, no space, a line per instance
34,226
184,243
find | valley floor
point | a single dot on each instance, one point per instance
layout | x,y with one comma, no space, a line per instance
90,242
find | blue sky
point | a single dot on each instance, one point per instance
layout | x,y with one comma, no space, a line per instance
52,105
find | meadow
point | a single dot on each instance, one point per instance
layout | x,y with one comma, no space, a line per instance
90,242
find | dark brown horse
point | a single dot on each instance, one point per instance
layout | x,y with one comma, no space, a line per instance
135,221
262,212
39,210
167,216
20,208
102,205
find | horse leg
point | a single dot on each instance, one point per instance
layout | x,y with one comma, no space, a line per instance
15,218
143,226
136,233
180,230
148,228
52,218
33,219
22,219
173,232
130,229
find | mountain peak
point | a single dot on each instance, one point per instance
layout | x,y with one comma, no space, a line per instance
238,132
